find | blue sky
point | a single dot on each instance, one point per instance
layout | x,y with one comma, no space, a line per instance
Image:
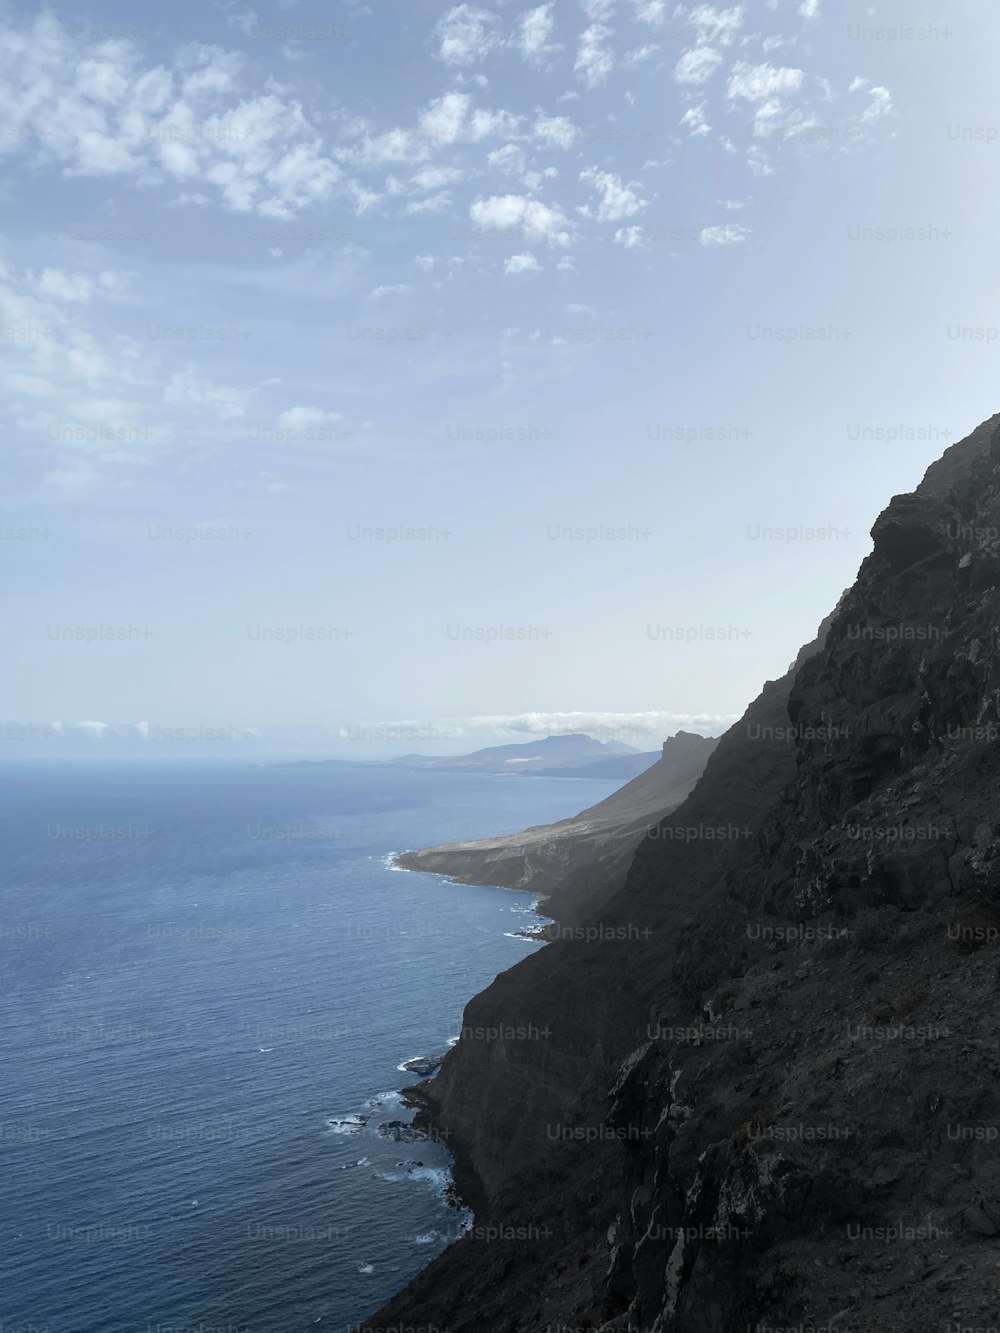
489,369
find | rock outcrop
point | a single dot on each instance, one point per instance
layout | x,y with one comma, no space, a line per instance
760,1086
577,864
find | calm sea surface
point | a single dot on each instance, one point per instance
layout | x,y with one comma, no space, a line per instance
210,977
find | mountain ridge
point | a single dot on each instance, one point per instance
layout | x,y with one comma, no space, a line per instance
594,847
768,1070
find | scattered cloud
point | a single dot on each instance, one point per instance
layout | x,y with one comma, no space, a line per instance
697,65
93,110
525,263
716,25
594,58
307,416
729,234
880,105
757,83
434,203
640,54
630,237
509,159
559,131
390,289
466,35
654,726
536,220
188,388
535,27
650,11
616,200
694,119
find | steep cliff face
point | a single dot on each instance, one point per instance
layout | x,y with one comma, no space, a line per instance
577,864
769,1091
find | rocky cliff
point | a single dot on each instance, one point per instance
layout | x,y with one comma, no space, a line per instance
760,1087
577,863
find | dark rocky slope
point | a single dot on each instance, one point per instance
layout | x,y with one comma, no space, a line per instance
765,1090
577,863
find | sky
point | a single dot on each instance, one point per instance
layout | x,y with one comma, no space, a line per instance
384,376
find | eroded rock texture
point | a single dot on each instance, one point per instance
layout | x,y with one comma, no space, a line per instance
766,1089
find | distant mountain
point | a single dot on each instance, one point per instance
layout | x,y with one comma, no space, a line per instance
550,756
579,862
620,767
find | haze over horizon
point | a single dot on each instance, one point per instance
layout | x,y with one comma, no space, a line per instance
496,370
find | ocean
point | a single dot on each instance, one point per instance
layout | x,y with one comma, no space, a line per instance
211,975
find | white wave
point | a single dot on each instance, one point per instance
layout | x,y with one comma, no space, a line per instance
403,1069
351,1125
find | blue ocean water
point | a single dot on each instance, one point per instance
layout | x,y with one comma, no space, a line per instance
210,976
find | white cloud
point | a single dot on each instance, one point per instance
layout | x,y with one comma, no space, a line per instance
630,237
396,145
91,108
730,234
697,65
756,83
434,203
809,9
512,211
187,387
716,25
484,124
650,11
445,120
556,130
247,22
640,54
880,105
594,58
654,726
307,416
451,119
94,729
694,119
522,264
114,280
425,263
616,201
433,178
534,30
63,286
390,289
510,159
467,34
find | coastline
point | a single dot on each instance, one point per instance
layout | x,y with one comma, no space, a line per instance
465,1190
